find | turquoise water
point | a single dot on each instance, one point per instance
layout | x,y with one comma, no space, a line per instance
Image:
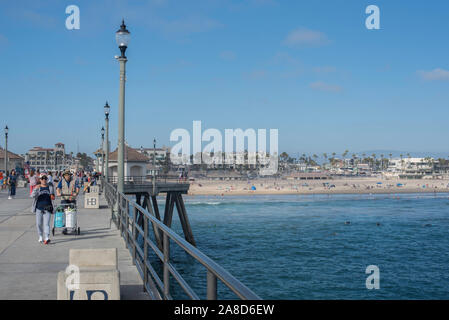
299,247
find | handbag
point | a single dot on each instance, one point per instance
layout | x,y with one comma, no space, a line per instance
49,208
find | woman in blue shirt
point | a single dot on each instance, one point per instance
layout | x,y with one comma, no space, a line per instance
12,180
43,195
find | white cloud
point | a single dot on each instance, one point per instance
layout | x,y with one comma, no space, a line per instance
303,37
435,75
319,85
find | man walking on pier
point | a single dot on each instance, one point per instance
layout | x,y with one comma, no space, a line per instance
67,189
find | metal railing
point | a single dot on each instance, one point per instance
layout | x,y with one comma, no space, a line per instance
156,287
142,180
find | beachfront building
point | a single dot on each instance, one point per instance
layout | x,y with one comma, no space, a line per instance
153,170
135,163
14,161
441,166
411,165
47,159
412,168
231,161
162,155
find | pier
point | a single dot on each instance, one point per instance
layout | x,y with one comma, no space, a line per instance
29,270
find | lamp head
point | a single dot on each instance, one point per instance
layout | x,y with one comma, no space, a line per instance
107,108
122,36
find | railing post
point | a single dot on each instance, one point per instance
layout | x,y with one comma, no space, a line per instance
211,286
127,222
134,234
145,251
166,271
118,204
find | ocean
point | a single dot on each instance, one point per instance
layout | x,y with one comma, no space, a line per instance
319,246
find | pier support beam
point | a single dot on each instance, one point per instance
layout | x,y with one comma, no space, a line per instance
173,198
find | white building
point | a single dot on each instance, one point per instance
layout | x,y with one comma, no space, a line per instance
47,159
135,163
161,154
410,165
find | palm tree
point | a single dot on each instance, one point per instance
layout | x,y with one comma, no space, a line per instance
333,158
429,162
381,162
344,154
284,156
316,158
354,157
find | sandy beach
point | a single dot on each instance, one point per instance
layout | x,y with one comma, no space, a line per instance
369,185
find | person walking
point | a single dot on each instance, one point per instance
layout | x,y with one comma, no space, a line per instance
12,181
67,189
1,180
50,178
43,195
34,180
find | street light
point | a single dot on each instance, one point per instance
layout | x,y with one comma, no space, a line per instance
154,165
107,108
6,150
102,150
122,37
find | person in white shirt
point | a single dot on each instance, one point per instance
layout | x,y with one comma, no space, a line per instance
50,178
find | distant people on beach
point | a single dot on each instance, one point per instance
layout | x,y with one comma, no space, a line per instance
182,176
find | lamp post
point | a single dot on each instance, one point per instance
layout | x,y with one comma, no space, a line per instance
154,165
106,113
6,150
122,37
102,151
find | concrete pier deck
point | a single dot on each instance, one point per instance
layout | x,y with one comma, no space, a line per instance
29,270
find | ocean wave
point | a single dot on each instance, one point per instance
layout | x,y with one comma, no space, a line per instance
199,203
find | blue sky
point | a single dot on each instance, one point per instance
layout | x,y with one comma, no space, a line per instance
308,68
